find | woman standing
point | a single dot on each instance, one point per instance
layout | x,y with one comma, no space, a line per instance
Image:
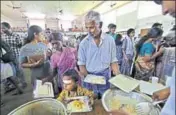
33,54
62,59
128,52
146,52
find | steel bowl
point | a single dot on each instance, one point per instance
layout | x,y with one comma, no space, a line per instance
139,97
44,106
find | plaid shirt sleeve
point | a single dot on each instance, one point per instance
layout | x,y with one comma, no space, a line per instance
14,41
19,41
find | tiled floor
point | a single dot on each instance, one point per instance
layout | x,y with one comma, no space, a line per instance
12,102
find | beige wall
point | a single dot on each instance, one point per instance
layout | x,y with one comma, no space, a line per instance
6,19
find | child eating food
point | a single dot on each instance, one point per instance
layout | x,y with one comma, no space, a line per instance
71,87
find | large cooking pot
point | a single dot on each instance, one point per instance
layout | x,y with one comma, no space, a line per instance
139,97
44,106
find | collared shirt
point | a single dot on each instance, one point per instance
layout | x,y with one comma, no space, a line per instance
97,58
113,35
14,41
169,107
128,45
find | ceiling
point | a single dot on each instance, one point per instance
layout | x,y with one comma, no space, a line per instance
51,8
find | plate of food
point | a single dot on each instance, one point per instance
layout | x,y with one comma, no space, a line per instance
123,103
78,104
94,79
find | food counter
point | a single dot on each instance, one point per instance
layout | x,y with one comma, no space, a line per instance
113,98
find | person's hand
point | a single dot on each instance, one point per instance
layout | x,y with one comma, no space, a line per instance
45,80
67,101
31,61
118,112
126,59
116,72
161,50
39,62
90,103
81,75
146,58
49,53
161,95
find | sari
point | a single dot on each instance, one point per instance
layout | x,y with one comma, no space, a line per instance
144,69
63,61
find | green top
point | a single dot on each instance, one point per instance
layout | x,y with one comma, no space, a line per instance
114,36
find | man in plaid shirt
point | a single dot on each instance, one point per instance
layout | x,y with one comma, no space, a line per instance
15,42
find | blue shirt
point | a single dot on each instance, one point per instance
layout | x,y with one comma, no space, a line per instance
169,107
147,49
128,46
97,58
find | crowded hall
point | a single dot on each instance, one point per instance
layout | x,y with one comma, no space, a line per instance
88,57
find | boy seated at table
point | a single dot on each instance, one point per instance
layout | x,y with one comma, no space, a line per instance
72,89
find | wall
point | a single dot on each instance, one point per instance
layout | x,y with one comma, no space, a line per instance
107,19
52,24
39,22
6,19
20,23
126,21
122,17
167,22
79,22
14,23
138,15
65,24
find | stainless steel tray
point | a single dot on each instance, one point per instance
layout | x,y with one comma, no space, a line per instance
134,95
44,106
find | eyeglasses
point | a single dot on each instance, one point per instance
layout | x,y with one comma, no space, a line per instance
159,2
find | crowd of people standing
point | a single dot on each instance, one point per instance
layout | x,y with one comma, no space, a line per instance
99,53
